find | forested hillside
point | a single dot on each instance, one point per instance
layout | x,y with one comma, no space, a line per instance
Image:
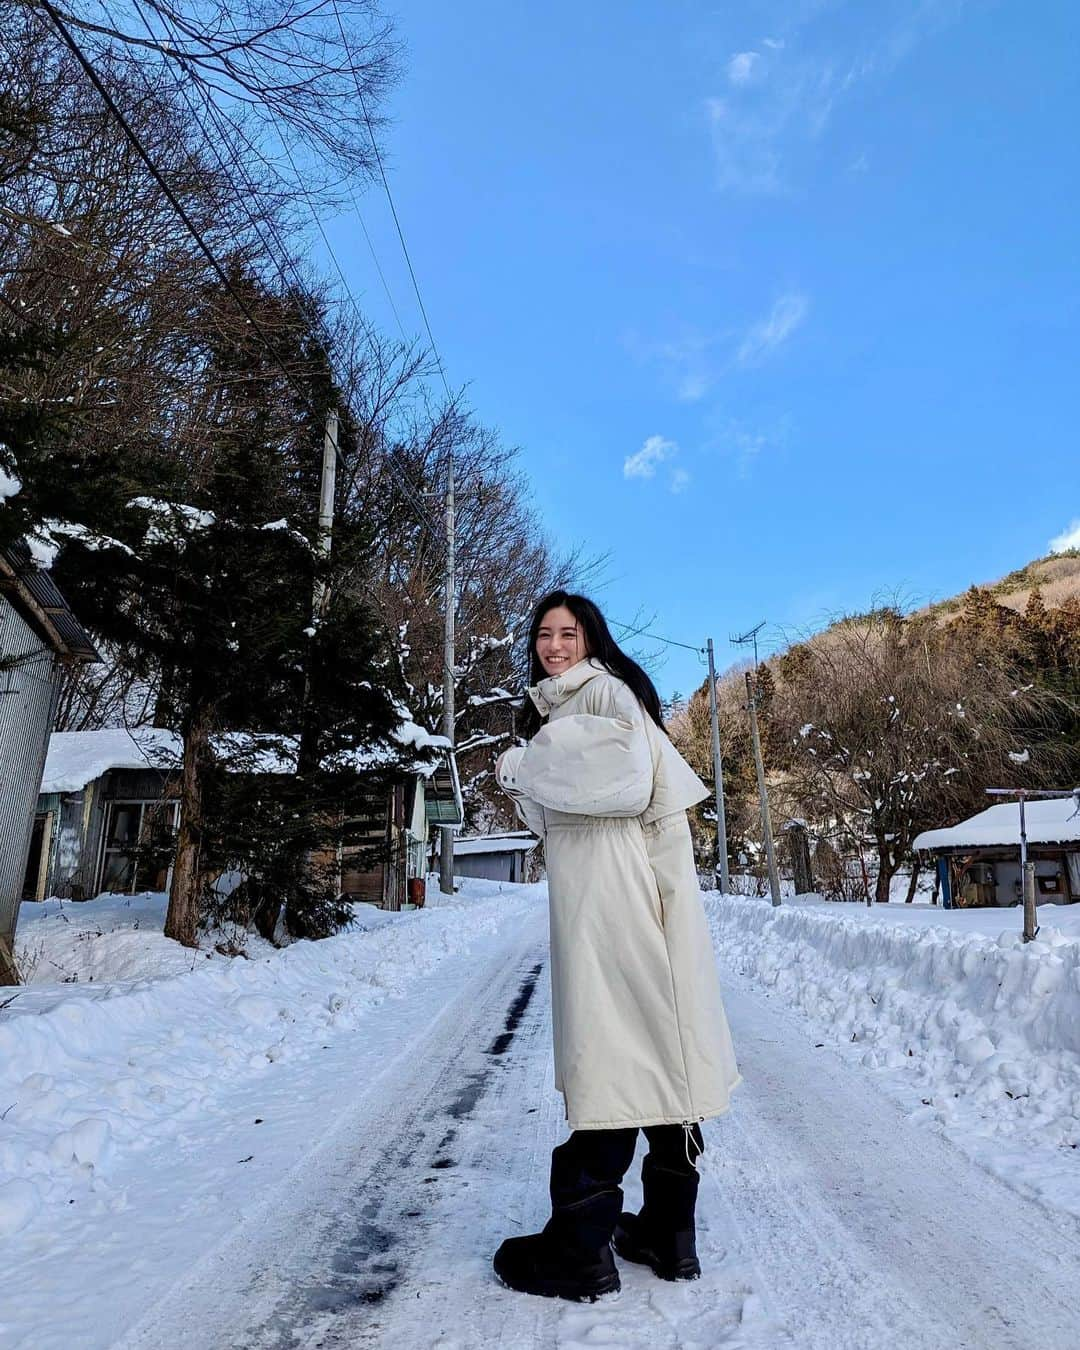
885,724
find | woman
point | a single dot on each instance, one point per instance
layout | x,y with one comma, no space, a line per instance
641,1040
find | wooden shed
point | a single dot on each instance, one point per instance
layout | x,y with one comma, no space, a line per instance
498,857
978,860
386,846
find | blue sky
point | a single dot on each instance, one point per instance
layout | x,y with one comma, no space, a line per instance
780,300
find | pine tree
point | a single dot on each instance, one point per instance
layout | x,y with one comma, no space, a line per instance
210,582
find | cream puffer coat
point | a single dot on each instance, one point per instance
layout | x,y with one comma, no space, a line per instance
640,1032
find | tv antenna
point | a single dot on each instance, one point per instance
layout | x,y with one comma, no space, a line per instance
748,638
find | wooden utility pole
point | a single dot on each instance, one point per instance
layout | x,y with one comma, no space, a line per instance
327,486
743,640
718,779
308,753
446,832
763,791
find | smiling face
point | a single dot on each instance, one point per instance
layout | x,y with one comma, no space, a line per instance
560,643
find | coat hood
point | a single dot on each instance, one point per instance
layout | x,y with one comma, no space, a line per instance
556,689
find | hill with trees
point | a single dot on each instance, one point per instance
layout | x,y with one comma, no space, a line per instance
887,723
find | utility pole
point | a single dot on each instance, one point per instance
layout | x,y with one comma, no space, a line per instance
320,592
763,791
327,486
307,758
751,636
718,779
1027,867
446,832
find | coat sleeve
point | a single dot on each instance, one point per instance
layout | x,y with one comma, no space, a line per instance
530,813
596,763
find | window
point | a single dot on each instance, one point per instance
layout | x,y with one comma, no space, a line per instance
129,828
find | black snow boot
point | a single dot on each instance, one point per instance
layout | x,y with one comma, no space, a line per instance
571,1257
663,1235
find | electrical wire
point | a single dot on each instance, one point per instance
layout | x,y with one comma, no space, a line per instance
410,491
390,199
155,173
631,631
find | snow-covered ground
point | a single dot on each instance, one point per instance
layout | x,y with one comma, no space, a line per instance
113,939
120,1094
322,1146
976,1032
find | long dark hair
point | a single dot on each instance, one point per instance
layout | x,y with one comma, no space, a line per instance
602,647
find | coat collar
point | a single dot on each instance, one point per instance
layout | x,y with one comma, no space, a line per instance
556,689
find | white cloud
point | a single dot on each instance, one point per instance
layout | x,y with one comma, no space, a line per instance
1069,538
744,443
746,156
693,386
764,337
642,464
688,361
655,451
765,128
740,68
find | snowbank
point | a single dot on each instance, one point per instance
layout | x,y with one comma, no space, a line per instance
985,1029
126,1058
60,943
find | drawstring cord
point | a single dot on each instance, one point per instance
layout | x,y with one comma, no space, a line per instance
688,1135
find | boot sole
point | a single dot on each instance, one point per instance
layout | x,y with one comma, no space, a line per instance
687,1269
562,1289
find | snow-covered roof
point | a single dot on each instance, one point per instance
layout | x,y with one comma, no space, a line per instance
266,752
496,843
76,758
1052,820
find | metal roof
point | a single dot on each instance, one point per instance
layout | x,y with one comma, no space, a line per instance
442,793
33,593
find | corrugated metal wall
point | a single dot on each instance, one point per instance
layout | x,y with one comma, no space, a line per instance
492,866
29,683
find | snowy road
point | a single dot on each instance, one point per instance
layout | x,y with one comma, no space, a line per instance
351,1192
828,1221
865,1229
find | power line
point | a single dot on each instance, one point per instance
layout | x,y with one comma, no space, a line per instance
390,199
409,489
631,631
411,492
378,267
154,172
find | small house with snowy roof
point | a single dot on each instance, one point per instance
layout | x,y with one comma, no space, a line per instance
978,860
105,793
497,857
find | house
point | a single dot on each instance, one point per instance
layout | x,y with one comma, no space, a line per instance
385,849
978,861
103,792
498,857
39,638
